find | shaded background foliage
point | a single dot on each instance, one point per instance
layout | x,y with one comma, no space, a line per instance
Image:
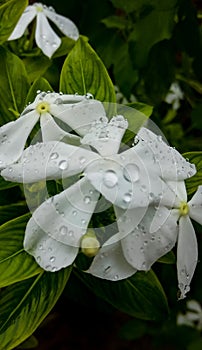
145,45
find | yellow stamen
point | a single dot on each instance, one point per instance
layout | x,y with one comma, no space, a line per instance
184,208
90,244
39,8
43,107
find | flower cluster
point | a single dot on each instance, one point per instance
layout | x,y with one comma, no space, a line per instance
144,184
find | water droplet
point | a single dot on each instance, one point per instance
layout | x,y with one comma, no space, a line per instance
38,259
89,96
54,269
40,247
127,197
54,156
82,160
87,200
159,138
151,196
38,91
63,165
107,269
110,178
145,243
71,233
74,212
52,258
143,188
131,172
136,140
58,101
141,249
116,277
63,230
83,221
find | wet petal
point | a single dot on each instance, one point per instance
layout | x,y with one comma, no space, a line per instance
110,263
106,136
164,160
78,114
66,26
173,194
45,37
110,179
52,132
142,248
51,160
195,206
65,217
26,18
13,137
50,254
187,254
128,219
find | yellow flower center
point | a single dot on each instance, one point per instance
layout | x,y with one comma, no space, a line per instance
184,208
39,8
43,107
90,244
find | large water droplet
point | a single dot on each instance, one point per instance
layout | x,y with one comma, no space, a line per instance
110,178
131,172
63,165
127,197
52,258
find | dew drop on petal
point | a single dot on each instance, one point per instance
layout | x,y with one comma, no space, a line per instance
63,230
131,172
110,178
54,156
87,200
127,197
52,258
63,165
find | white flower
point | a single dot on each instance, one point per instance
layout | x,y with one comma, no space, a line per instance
76,111
192,317
156,234
46,39
174,96
131,179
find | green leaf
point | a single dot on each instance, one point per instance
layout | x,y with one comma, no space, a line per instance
10,12
30,343
36,66
65,47
10,211
193,182
140,296
24,305
40,84
115,22
156,26
168,258
13,86
6,184
83,72
15,264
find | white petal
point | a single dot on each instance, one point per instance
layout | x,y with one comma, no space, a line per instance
164,160
187,254
110,263
13,137
108,177
128,219
142,248
51,160
50,254
78,114
106,136
47,40
65,217
52,132
26,18
195,206
66,26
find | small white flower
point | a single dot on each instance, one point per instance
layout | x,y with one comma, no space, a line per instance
192,317
47,40
76,111
53,234
174,96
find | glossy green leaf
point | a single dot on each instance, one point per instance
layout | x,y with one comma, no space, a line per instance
40,84
30,343
13,86
10,12
168,258
84,72
24,305
140,296
36,66
193,182
10,211
15,264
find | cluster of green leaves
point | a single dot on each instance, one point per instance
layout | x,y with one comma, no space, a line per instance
27,292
